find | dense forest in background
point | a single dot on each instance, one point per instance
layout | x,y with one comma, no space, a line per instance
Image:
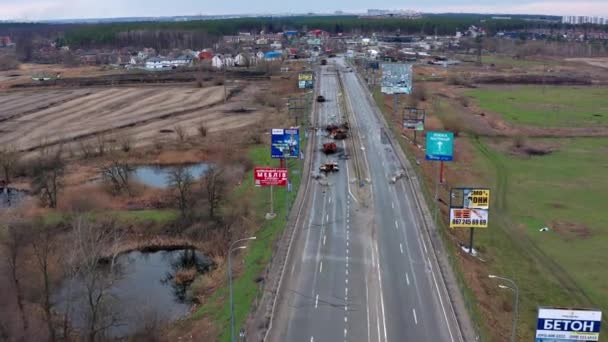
203,33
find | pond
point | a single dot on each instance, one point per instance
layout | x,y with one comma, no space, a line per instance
157,176
11,197
143,287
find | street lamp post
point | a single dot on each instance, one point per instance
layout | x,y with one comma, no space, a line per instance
230,250
516,290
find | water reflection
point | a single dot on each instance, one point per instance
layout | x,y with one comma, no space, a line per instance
157,176
140,285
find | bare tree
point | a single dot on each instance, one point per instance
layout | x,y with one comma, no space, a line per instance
214,189
181,133
117,174
95,250
14,240
9,159
43,248
181,182
48,177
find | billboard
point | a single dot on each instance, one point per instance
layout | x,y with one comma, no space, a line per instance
396,78
440,146
413,119
469,208
267,176
305,80
568,325
285,143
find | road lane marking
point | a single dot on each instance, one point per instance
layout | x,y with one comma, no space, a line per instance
381,297
407,278
327,217
369,337
401,248
345,332
346,293
345,319
330,200
312,339
324,238
320,266
393,205
396,224
317,301
347,271
415,318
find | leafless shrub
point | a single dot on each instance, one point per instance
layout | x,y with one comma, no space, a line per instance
270,100
459,80
102,142
214,187
125,142
520,141
48,177
9,162
202,129
181,182
87,149
180,132
464,101
117,175
453,124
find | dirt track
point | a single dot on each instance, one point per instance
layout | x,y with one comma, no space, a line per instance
30,119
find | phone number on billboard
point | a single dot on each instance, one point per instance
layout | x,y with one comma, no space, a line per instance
469,222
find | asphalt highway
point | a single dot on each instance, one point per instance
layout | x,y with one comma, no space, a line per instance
361,269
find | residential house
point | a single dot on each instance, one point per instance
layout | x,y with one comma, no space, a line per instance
242,59
205,55
273,55
260,55
217,62
276,45
155,63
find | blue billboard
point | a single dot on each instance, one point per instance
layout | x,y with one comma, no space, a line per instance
440,146
568,325
285,143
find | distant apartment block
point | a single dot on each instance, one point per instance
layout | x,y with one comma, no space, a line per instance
579,20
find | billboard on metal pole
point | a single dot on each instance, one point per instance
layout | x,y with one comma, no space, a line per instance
305,80
396,78
413,119
469,208
440,146
268,176
568,325
285,143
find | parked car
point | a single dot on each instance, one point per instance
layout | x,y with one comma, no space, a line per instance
320,98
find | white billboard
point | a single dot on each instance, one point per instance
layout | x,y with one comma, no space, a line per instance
568,325
396,78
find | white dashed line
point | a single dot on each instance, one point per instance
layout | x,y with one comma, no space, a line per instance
317,301
407,278
396,224
330,200
393,205
321,267
327,217
312,339
345,332
415,318
401,248
345,319
347,271
324,238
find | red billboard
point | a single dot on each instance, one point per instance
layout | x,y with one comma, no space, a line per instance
265,176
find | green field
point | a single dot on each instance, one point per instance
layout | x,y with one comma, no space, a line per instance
563,191
550,106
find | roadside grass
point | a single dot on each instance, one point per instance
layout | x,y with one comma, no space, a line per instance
564,191
257,256
547,106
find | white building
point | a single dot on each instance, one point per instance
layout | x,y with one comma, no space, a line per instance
156,63
217,62
276,45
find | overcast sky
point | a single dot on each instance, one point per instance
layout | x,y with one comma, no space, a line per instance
62,9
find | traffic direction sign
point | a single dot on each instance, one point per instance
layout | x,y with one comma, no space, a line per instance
440,146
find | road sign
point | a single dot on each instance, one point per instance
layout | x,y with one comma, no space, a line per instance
267,176
305,80
285,143
469,208
440,146
413,119
566,325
